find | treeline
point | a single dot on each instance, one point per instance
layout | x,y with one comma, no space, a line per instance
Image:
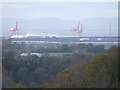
49,48
71,48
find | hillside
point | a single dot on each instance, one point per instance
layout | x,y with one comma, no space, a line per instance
100,72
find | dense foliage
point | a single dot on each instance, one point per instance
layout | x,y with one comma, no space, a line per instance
100,72
82,68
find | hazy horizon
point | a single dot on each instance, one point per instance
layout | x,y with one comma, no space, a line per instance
62,17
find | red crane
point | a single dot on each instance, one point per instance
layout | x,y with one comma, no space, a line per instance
78,30
14,30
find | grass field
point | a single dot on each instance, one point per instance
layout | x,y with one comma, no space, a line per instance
59,54
64,53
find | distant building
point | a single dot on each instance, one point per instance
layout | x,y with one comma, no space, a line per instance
26,54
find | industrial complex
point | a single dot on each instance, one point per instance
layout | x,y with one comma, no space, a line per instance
52,38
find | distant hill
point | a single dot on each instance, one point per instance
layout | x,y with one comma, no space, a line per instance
91,26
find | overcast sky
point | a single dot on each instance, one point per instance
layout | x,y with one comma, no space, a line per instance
65,11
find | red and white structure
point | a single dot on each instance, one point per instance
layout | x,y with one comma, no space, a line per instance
14,30
78,30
